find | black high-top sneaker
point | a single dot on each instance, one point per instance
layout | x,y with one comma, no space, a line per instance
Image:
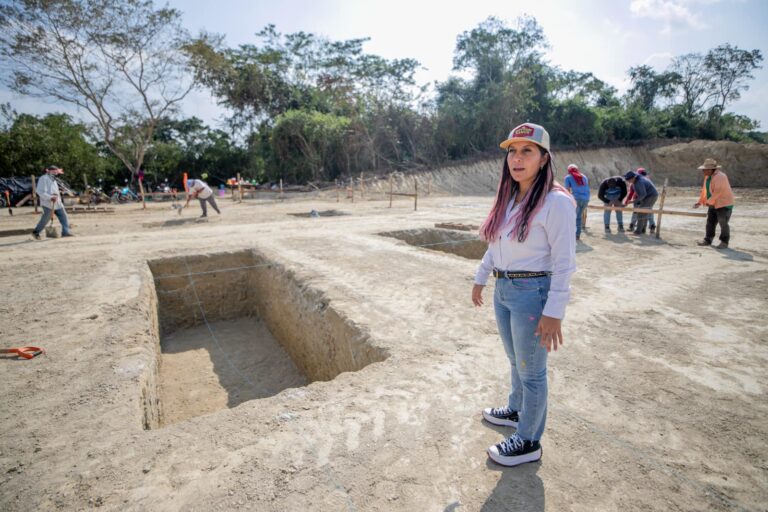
607,229
503,416
515,451
621,228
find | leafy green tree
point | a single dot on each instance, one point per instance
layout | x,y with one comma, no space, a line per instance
729,69
648,87
576,123
693,84
188,145
309,145
507,85
30,143
118,60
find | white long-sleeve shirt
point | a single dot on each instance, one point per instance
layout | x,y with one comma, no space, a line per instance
550,247
47,188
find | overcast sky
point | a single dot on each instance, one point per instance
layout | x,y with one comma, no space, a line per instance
604,37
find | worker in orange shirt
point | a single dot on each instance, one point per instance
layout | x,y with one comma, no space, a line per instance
716,193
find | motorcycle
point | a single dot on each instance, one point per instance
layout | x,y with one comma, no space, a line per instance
123,195
94,195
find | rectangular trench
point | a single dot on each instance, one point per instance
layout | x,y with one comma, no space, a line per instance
234,327
460,243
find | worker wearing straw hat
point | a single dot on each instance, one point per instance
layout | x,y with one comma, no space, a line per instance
716,193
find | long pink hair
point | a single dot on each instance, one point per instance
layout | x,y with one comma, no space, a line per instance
531,203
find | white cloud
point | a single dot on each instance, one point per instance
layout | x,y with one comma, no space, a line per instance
659,60
672,12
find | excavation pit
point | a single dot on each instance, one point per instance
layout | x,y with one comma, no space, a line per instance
315,213
236,327
459,243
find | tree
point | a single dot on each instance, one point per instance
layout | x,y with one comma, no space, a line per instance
648,86
586,87
309,145
729,69
693,83
493,49
30,143
299,71
118,60
508,83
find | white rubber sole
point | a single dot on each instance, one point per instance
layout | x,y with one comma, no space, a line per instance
496,421
496,457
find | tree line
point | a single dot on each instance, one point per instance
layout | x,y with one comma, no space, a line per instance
305,108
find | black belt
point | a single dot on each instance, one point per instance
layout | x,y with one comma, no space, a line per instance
508,274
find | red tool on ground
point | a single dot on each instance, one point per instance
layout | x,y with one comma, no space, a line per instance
8,202
23,352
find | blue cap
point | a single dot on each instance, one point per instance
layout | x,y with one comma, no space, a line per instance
630,175
190,183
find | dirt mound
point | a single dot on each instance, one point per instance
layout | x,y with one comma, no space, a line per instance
745,164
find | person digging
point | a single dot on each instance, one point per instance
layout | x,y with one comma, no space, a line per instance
200,190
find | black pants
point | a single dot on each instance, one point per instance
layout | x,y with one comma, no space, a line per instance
717,216
642,218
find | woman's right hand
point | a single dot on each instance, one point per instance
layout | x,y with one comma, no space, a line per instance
477,294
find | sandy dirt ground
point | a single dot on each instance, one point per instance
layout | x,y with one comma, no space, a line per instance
658,400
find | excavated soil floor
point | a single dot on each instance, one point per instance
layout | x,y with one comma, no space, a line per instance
268,362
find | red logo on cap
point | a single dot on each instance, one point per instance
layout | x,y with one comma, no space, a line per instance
524,131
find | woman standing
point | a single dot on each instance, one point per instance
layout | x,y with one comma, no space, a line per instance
578,185
532,253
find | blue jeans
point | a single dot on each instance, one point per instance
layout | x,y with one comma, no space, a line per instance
613,201
580,207
61,214
518,304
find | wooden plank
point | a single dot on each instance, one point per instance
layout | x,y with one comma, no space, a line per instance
89,209
646,210
15,232
24,200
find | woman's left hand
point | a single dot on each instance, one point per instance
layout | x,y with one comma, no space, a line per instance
549,330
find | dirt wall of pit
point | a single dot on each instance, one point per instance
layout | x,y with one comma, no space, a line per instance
241,284
321,342
745,164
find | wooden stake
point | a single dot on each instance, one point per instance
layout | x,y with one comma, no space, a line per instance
362,185
24,200
429,185
391,186
34,193
416,193
240,188
141,191
338,192
281,188
661,207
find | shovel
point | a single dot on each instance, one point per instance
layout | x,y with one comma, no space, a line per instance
51,231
